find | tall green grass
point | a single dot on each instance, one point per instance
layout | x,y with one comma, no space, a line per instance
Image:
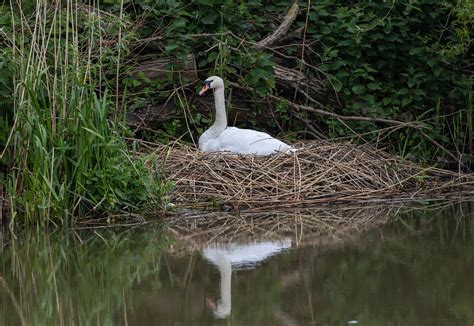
70,159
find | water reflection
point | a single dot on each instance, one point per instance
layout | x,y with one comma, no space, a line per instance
74,278
373,265
305,227
235,256
241,242
376,265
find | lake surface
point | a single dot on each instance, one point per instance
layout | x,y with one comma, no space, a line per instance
356,266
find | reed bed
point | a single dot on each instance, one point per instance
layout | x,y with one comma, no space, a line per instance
319,172
68,159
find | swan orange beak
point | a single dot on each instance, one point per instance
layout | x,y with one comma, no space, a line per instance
204,89
211,304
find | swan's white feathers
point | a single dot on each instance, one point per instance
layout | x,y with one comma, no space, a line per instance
220,138
244,141
245,255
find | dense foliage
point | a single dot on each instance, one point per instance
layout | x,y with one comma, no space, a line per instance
402,71
402,60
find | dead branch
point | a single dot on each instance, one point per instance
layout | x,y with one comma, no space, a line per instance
300,107
282,29
199,35
293,79
310,126
159,68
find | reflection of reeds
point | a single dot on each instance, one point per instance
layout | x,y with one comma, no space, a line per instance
82,278
321,226
319,172
318,226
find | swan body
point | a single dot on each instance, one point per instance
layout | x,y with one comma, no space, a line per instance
221,138
245,255
242,141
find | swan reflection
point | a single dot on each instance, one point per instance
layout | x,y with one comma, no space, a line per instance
226,257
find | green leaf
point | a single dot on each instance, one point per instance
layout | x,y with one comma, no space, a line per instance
171,47
369,99
258,74
373,86
5,20
387,100
419,92
406,101
179,23
336,84
403,91
209,19
358,89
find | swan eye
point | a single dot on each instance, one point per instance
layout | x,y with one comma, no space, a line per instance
208,83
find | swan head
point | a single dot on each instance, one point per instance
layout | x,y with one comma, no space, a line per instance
213,82
219,310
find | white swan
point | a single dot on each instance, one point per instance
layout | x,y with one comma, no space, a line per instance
220,138
226,257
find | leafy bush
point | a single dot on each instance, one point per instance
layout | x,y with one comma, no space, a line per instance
404,60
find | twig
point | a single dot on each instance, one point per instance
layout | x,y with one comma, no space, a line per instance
309,125
434,142
303,47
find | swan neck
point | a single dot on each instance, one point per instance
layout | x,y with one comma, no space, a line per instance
225,304
221,117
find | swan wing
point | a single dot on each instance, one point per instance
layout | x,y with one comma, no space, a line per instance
248,255
247,141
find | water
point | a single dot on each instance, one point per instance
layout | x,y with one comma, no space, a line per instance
368,266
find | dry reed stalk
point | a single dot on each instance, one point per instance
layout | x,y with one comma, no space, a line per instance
320,172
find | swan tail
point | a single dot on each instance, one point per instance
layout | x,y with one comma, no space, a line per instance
290,150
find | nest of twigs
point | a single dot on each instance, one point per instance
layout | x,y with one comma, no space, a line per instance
319,172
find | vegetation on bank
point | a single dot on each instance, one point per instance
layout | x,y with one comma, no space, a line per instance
407,61
401,70
67,155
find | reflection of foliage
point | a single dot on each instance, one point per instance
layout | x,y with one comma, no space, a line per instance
84,282
410,272
407,277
